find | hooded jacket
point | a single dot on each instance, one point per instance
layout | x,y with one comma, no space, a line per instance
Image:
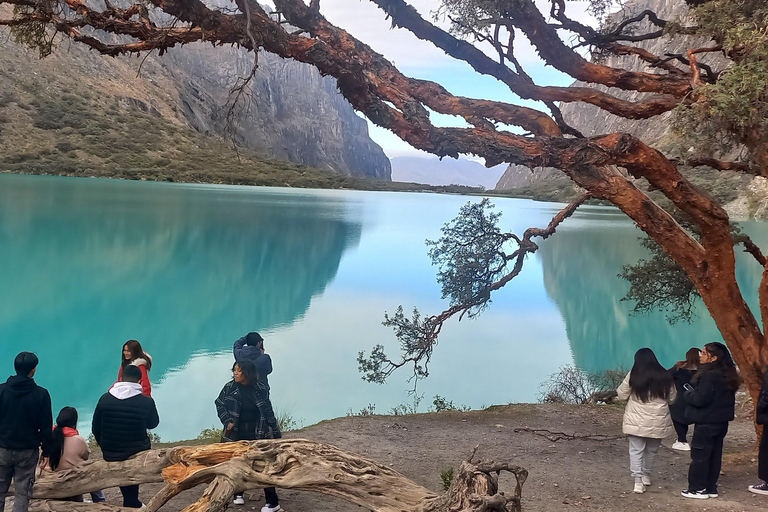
121,420
26,420
710,401
146,387
262,361
646,419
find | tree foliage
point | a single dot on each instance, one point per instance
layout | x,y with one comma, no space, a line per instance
659,283
470,254
730,111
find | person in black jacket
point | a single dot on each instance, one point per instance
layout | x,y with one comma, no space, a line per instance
120,423
246,413
711,405
251,347
682,373
26,422
761,418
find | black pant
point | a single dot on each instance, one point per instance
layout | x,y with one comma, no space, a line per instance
762,456
682,431
247,432
131,496
706,456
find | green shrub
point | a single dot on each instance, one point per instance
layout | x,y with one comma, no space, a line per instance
211,435
368,410
446,477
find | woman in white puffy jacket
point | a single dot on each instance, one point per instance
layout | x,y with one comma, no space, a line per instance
649,390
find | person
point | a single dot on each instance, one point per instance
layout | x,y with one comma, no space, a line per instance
251,347
761,418
26,422
648,389
711,399
682,373
69,448
134,355
120,423
246,413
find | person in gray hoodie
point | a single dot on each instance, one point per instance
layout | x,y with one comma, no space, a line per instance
120,423
26,422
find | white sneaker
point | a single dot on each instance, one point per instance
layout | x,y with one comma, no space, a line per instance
683,447
267,508
639,488
646,481
238,500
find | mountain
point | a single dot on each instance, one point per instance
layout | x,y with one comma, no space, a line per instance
742,195
172,105
448,171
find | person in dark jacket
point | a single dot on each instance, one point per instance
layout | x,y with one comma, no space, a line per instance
761,418
711,400
120,423
251,347
682,373
26,422
246,413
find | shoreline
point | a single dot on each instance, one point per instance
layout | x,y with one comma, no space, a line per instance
588,469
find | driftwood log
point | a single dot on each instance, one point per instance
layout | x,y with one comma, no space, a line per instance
287,463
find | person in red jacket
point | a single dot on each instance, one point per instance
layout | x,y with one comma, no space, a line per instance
134,355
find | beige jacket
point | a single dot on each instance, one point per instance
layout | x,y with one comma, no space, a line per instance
649,419
75,451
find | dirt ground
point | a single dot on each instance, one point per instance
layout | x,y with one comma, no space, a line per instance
565,474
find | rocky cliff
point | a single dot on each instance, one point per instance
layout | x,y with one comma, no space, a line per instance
292,112
551,184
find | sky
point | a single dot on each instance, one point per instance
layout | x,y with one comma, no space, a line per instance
420,59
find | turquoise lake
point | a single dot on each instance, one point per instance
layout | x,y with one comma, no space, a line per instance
187,269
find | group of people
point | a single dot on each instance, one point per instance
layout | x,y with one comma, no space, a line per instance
121,420
698,391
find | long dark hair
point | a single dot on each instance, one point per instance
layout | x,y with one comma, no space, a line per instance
648,379
691,360
67,418
136,353
724,363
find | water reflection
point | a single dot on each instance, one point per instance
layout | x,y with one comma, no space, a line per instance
581,263
88,264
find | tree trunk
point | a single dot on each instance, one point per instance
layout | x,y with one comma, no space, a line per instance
291,464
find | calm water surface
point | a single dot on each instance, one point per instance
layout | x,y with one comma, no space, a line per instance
187,269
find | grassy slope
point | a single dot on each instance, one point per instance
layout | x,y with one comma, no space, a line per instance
76,135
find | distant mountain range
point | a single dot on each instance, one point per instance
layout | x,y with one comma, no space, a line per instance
448,171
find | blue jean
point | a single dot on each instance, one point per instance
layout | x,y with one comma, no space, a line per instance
20,466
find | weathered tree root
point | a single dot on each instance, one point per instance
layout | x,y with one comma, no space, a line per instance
557,436
290,464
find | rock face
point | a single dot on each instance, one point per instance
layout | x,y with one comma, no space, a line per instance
291,112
